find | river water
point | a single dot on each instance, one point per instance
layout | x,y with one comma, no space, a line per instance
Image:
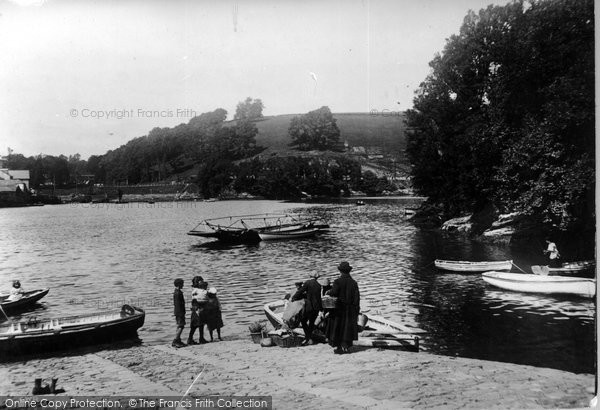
99,256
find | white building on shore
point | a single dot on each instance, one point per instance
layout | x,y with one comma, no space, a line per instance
10,179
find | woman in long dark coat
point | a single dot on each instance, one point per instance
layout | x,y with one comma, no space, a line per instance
342,328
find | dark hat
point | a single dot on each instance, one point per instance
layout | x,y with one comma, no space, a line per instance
344,267
178,282
16,284
299,283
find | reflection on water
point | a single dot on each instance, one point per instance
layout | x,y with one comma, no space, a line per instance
100,257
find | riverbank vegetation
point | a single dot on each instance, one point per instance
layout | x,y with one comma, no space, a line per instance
506,116
304,157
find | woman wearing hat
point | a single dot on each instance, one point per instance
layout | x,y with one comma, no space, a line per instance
342,328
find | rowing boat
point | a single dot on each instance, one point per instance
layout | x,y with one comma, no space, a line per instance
584,268
39,336
378,332
28,299
579,265
468,266
524,282
288,233
410,211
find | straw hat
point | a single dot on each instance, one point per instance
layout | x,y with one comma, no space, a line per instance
324,281
212,291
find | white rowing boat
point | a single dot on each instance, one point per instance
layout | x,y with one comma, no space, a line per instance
468,266
288,233
524,282
378,332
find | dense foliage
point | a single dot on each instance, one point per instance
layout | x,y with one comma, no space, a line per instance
249,109
507,114
316,130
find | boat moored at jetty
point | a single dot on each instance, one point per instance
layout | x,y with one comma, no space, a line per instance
468,266
248,229
27,299
378,332
40,336
525,282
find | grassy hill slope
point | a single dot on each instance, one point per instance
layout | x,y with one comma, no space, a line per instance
358,129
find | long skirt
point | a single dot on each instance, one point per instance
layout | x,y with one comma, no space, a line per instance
214,320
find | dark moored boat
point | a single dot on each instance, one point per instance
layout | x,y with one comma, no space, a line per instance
580,269
28,299
248,229
40,336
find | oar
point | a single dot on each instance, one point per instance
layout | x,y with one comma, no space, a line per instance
4,313
515,265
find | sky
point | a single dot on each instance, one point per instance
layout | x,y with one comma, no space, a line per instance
82,76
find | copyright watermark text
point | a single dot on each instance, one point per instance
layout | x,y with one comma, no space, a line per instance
165,402
119,114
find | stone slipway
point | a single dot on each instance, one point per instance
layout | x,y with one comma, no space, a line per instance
309,377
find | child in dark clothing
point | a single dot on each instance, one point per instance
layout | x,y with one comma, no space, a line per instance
197,319
179,305
214,319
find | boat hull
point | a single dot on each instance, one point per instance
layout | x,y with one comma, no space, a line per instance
43,337
467,266
275,235
25,302
523,282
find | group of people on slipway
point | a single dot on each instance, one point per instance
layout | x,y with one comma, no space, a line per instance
205,310
340,323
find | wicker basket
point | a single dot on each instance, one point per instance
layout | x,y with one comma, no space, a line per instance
329,302
257,337
286,339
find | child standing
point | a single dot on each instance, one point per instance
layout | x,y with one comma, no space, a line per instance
179,305
214,320
199,298
16,292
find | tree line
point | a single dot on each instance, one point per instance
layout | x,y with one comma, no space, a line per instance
222,156
506,116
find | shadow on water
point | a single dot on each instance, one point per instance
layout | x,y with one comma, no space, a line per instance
221,246
466,317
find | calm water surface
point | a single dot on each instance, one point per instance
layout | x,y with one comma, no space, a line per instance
95,257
